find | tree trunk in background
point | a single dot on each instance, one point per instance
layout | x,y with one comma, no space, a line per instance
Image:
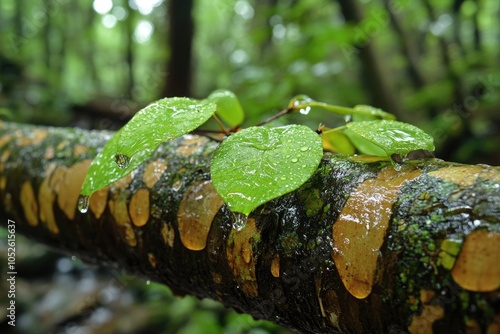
373,76
181,31
359,248
129,50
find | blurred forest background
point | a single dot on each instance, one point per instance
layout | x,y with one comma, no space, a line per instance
93,64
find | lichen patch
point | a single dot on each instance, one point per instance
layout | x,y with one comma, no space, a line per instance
360,228
28,201
241,259
98,202
466,175
49,153
168,234
153,171
422,324
118,208
275,266
152,260
192,144
46,199
197,210
69,189
476,268
80,150
38,136
139,207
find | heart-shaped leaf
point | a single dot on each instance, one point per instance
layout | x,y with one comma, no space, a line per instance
258,164
228,106
161,121
392,137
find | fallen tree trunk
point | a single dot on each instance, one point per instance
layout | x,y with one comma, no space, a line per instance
360,248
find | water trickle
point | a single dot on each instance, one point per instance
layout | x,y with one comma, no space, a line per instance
83,203
240,221
122,160
305,111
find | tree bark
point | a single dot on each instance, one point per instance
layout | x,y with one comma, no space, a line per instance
373,74
180,43
359,248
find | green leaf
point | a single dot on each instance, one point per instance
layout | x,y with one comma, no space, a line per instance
392,137
258,164
363,145
336,140
161,121
228,106
103,170
369,113
360,112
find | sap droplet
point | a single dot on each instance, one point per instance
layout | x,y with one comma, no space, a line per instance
304,148
83,203
295,160
240,221
305,111
122,160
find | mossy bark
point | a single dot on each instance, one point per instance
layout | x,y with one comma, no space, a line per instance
359,248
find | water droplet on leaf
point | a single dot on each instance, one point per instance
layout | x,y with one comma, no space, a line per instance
83,203
304,148
122,160
295,160
305,111
240,221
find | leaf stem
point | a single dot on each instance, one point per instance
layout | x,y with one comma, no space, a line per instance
220,124
276,116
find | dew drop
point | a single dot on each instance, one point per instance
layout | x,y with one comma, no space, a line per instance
295,160
305,111
122,160
148,282
240,221
83,203
304,148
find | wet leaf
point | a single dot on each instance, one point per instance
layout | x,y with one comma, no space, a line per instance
161,121
391,137
368,113
228,106
258,164
337,141
103,169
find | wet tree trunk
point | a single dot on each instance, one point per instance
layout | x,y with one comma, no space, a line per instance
373,74
360,248
181,34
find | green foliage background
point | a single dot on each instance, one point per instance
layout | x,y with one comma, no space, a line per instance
437,62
